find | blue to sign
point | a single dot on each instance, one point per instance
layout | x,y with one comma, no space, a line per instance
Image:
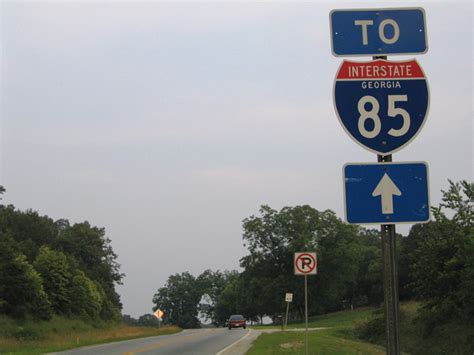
386,193
378,32
381,104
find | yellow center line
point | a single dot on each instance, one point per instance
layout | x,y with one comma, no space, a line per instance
169,341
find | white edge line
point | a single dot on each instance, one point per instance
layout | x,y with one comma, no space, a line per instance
234,343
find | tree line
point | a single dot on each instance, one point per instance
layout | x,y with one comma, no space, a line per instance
51,268
436,267
348,271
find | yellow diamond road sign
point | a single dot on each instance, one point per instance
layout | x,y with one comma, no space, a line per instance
159,314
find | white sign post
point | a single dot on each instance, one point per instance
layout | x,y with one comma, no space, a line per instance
305,264
288,300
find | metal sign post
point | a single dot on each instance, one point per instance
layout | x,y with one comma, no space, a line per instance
390,282
305,264
306,314
288,300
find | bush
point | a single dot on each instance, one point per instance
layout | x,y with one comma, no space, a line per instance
372,330
7,326
21,287
29,332
441,337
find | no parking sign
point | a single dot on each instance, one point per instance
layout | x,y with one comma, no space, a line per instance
305,263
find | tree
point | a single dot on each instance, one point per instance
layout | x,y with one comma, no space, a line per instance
212,284
95,256
54,269
21,287
65,258
365,288
129,320
85,296
459,198
229,302
179,300
343,251
29,230
148,320
443,257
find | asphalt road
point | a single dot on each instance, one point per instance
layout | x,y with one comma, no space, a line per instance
192,341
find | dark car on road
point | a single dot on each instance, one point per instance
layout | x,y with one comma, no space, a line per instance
236,321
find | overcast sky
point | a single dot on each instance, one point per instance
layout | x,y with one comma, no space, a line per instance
169,123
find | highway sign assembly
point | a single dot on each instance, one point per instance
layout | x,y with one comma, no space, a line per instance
375,32
288,300
381,104
386,193
305,263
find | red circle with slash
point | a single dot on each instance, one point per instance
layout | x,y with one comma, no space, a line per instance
302,258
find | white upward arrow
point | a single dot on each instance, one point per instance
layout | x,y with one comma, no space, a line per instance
386,188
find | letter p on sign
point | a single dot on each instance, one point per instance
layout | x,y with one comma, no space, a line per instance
305,263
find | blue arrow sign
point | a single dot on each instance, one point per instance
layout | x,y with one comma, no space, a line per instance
378,32
381,104
386,193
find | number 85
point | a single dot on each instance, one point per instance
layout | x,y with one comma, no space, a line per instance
372,114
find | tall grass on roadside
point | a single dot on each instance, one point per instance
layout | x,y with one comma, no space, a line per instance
447,338
34,337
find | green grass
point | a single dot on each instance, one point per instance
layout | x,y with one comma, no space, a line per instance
341,319
337,339
325,342
337,319
31,337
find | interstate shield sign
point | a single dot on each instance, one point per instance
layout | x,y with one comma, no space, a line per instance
381,104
